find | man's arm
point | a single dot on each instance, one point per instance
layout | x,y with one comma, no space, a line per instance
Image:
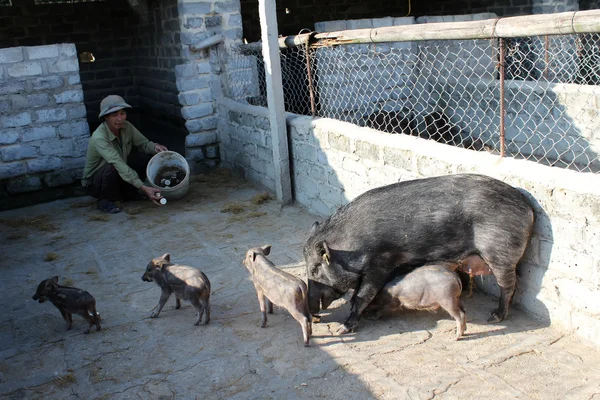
107,151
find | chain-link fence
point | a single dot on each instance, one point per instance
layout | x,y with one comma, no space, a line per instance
532,97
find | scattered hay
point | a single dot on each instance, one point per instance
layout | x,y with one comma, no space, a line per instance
91,271
17,236
51,257
262,198
65,380
83,204
39,223
134,210
234,208
241,218
98,217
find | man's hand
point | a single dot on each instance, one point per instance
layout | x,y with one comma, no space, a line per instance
159,147
151,193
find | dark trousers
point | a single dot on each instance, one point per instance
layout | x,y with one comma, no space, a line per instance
107,183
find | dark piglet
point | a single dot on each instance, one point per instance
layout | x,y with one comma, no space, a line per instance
412,223
274,286
425,288
188,283
69,300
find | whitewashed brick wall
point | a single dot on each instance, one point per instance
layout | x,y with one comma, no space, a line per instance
333,162
43,128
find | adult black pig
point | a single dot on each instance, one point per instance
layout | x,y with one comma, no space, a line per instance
412,223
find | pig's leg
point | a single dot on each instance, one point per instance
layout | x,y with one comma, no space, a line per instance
363,295
270,304
86,313
67,317
206,304
456,310
304,321
262,300
507,281
177,303
196,303
164,296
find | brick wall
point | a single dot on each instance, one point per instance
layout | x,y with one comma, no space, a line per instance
43,131
333,162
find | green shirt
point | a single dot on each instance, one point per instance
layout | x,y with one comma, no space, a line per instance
104,147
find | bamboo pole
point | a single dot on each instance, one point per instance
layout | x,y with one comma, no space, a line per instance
528,25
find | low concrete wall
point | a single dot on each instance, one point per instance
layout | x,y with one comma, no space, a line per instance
43,128
333,162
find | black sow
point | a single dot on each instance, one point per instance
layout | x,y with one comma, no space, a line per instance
412,223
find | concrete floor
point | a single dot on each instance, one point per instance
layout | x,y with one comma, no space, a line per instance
411,355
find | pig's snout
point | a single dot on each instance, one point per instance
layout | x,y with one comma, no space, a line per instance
146,278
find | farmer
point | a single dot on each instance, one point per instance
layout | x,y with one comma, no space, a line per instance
117,157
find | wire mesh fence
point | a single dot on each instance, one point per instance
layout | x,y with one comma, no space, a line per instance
535,97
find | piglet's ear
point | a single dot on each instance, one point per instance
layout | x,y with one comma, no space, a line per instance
323,250
266,249
253,255
55,278
166,257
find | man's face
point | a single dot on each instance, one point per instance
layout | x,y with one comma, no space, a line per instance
115,120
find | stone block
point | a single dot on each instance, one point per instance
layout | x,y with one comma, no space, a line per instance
18,101
24,185
63,66
60,178
38,100
194,8
186,70
19,70
73,129
47,82
73,79
189,98
398,158
200,139
13,121
339,142
69,96
11,170
50,115
201,124
37,52
57,147
227,6
43,164
201,110
195,154
201,82
213,21
11,87
17,152
77,112
38,133
194,23
235,21
8,136
68,50
366,150
12,55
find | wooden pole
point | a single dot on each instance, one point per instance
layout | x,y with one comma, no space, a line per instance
270,48
529,25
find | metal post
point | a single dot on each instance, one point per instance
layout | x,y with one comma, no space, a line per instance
270,49
501,67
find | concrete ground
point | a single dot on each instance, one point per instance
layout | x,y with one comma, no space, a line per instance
410,355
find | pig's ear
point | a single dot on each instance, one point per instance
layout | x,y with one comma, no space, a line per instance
266,249
55,278
314,226
253,255
166,257
323,251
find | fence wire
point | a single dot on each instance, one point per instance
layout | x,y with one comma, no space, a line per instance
450,91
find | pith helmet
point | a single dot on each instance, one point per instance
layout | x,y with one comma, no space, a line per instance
112,103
